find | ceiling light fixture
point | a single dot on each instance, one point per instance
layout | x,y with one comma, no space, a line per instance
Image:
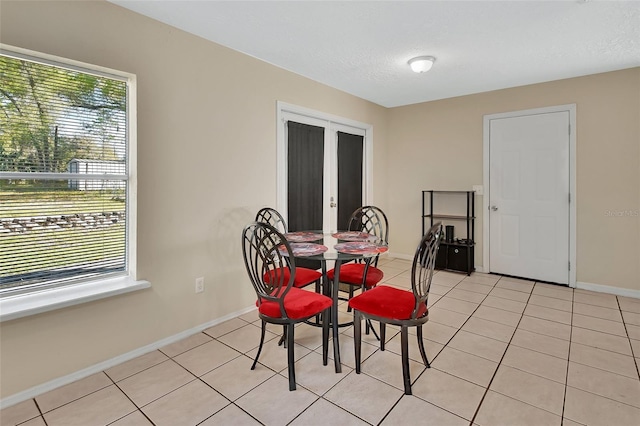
421,63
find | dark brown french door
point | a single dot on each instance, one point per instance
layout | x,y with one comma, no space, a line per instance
305,166
350,168
319,184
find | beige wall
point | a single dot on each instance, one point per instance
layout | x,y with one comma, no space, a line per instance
438,145
206,148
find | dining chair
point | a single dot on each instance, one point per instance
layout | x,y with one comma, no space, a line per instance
364,273
404,308
304,276
267,253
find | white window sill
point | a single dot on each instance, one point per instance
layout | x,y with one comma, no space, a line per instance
23,305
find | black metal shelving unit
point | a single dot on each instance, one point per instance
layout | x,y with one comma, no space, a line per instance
456,255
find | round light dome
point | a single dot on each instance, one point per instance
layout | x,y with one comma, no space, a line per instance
421,63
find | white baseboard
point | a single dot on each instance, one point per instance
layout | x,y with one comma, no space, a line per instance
96,368
618,291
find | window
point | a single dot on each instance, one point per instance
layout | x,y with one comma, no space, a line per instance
67,157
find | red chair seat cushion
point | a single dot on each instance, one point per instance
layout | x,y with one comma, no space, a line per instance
297,303
387,302
304,276
351,273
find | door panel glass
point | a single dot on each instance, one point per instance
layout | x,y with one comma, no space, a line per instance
305,170
305,161
350,156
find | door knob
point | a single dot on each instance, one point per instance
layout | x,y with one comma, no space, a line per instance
494,208
332,204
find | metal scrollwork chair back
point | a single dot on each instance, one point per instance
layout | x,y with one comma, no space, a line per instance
279,301
391,305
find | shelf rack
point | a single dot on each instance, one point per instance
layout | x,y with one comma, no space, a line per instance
457,255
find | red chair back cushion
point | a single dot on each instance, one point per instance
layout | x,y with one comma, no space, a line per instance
304,276
351,273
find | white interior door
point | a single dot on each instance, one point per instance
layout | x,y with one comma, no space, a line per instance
529,196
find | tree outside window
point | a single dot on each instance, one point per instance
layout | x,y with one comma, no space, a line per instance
63,174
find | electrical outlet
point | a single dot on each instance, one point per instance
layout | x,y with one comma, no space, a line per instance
199,285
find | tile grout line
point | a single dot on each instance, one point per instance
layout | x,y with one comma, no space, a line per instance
451,338
40,411
500,362
231,402
302,412
129,398
626,330
199,378
566,377
567,386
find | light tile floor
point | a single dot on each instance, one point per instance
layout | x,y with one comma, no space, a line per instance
504,352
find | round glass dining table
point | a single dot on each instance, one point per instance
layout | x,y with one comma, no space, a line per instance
338,247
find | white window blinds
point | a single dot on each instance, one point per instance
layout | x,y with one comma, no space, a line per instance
63,174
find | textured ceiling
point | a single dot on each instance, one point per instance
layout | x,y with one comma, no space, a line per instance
362,47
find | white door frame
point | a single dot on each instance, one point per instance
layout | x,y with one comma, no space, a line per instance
571,108
334,124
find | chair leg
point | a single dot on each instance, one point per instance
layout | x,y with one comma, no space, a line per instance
350,297
325,337
290,358
357,338
255,361
283,338
383,332
370,327
404,342
367,323
421,346
318,290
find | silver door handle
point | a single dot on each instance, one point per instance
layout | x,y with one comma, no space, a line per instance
494,208
332,204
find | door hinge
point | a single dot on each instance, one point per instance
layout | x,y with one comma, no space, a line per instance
569,129
569,265
569,198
